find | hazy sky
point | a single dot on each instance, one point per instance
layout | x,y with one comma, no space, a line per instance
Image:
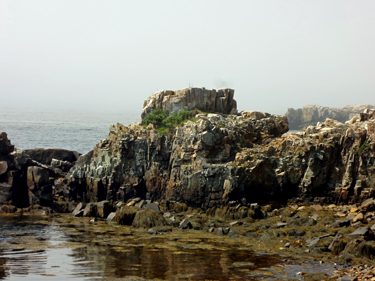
111,55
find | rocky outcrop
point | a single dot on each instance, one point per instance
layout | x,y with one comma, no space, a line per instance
207,100
196,164
230,159
25,181
301,118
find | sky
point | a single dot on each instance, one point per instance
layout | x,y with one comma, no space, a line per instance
111,55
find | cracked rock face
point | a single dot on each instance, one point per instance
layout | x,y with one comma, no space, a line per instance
196,164
223,159
207,100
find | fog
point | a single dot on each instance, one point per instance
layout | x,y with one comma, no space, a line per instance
111,55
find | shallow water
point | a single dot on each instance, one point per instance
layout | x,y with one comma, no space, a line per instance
60,248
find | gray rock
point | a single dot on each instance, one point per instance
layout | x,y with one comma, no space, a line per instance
111,216
152,206
281,224
362,232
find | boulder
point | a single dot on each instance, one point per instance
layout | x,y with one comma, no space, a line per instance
103,209
148,219
151,206
111,216
362,232
78,211
45,156
126,215
368,205
5,146
37,177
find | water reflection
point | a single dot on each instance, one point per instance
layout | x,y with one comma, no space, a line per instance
60,249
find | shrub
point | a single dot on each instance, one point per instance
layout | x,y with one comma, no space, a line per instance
164,123
156,117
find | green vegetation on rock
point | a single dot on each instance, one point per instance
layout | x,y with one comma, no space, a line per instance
164,123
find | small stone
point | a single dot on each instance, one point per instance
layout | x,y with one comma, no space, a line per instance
358,217
185,224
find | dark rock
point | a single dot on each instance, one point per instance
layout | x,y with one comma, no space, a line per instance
64,166
5,192
341,223
5,146
126,215
45,156
152,206
296,232
185,224
148,219
8,209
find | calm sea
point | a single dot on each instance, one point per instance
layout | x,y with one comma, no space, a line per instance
72,130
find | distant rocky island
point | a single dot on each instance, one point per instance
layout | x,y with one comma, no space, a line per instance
301,118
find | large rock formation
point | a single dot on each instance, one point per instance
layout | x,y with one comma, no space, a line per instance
230,159
24,181
196,164
206,100
301,118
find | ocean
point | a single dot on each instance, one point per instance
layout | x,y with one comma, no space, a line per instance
72,130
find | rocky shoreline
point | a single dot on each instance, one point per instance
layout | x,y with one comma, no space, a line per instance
308,196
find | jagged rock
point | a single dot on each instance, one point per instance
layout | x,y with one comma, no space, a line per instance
220,159
5,146
312,114
148,219
207,100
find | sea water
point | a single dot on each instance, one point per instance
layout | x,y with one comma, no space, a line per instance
72,130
